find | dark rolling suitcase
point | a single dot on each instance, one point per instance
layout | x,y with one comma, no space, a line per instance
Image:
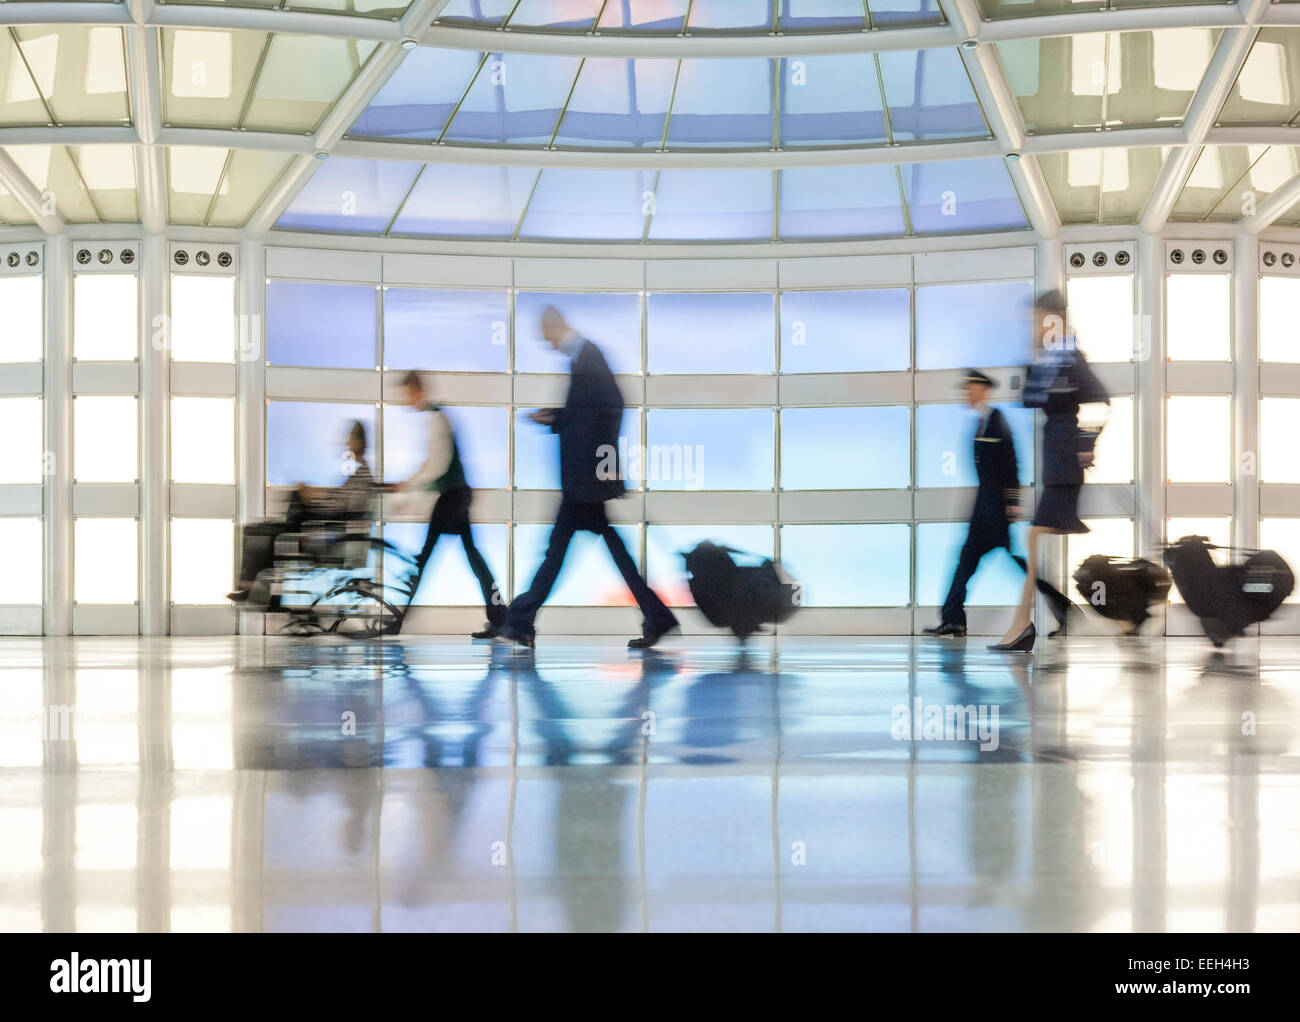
740,597
1228,598
1122,590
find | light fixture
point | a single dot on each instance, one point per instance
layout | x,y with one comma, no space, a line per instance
969,44
407,43
1013,157
321,154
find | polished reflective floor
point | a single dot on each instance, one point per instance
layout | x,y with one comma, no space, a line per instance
805,784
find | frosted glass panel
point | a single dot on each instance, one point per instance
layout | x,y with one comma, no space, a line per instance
823,448
710,449
105,317
1109,536
482,437
997,583
711,333
849,565
447,579
1198,434
327,325
1283,535
1198,310
588,578
1113,457
1101,311
20,425
22,298
446,331
1279,312
203,319
307,443
203,440
1279,425
537,453
105,438
611,321
960,325
1217,530
203,559
665,544
21,540
945,444
105,560
825,332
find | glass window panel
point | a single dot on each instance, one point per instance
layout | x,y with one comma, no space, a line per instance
574,15
419,97
328,325
104,324
1113,457
466,201
712,204
1101,185
207,74
482,437
21,426
447,580
841,202
997,583
299,80
105,562
194,173
821,15
79,70
730,14
479,12
611,321
665,545
722,102
203,440
588,578
1108,536
822,331
945,442
849,565
1198,307
1279,312
52,171
605,205
23,299
1279,425
710,449
202,327
446,331
960,325
903,12
1101,312
930,96
109,173
644,16
1282,535
307,442
202,559
831,100
105,437
968,195
711,333
1199,438
249,175
516,98
1267,89
1274,167
823,449
1217,530
618,103
23,542
537,454
351,196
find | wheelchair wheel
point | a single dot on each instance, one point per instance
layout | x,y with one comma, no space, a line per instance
358,609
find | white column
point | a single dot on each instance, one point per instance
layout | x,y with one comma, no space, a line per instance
1149,395
155,422
250,470
1245,402
57,408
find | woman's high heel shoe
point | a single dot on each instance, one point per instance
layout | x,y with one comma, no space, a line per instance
1022,643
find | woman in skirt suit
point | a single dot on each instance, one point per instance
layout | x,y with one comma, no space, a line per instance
1058,381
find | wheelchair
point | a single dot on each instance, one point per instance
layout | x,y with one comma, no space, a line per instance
333,578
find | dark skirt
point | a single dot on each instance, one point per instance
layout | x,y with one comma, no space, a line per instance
1059,509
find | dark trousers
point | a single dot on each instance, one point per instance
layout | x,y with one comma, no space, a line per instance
972,552
574,517
451,518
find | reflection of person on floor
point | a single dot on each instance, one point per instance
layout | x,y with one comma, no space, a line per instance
590,474
442,475
997,502
348,502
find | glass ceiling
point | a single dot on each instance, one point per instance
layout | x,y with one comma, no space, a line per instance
64,74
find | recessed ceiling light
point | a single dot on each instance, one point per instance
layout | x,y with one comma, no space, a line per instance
408,43
969,44
321,155
1013,157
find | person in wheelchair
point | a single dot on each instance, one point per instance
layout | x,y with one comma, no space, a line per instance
348,502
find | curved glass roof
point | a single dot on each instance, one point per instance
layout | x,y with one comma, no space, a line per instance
648,121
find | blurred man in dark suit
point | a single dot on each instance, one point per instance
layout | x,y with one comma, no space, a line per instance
590,474
997,502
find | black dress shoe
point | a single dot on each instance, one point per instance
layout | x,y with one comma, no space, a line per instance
651,637
488,631
237,596
518,638
1022,643
946,631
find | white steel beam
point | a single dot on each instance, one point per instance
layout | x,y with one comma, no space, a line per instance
57,411
72,12
143,68
29,196
1270,209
